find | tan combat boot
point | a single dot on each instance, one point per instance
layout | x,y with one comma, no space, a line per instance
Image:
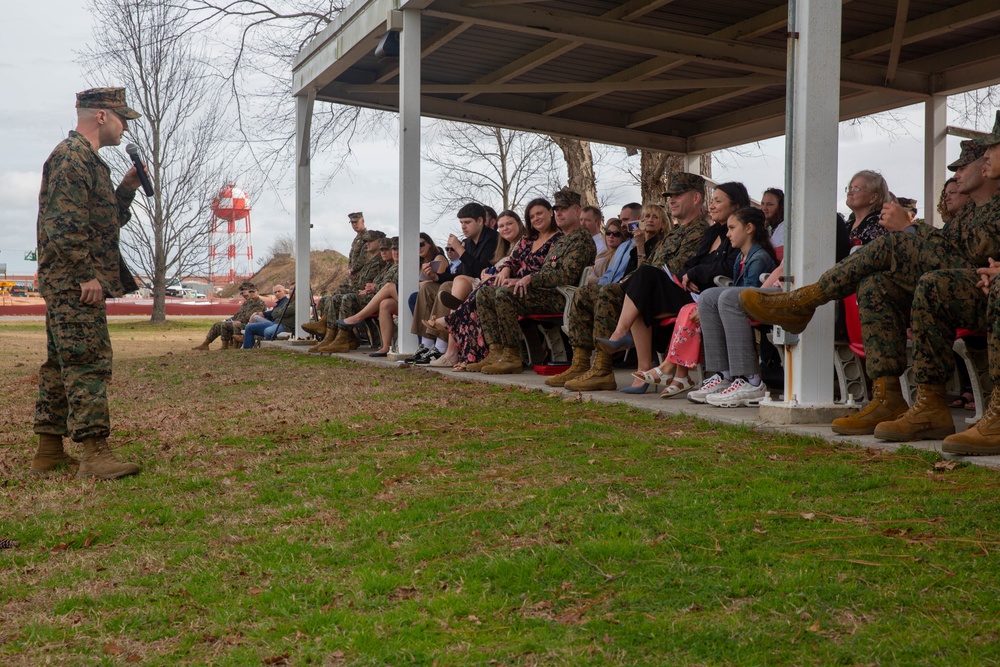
983,439
887,404
601,377
789,310
98,462
352,340
341,343
204,346
580,365
317,328
928,419
226,344
509,363
50,454
327,339
496,352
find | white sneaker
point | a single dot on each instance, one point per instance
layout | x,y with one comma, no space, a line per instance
712,385
740,393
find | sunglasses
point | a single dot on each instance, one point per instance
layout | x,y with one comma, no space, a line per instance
423,245
617,235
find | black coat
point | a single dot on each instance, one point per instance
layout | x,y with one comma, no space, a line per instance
703,268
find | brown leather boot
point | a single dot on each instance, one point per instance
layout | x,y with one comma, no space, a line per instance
887,404
204,346
496,352
928,419
983,439
317,328
509,363
225,344
327,339
580,365
50,454
789,310
601,377
98,462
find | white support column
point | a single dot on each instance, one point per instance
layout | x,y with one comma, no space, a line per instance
935,156
409,172
303,207
814,86
692,163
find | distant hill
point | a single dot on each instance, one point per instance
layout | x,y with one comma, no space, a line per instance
327,268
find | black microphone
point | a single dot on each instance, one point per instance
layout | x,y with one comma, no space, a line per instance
133,152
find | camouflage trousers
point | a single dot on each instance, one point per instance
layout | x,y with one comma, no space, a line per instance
943,302
499,309
224,329
329,306
72,383
594,313
349,305
884,274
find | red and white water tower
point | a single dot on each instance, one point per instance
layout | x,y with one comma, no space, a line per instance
231,206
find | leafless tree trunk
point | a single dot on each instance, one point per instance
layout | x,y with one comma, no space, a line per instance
489,165
656,169
142,45
580,167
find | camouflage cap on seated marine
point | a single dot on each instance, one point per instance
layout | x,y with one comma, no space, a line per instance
112,99
248,286
354,217
993,138
395,243
972,150
907,203
564,198
385,243
682,182
371,235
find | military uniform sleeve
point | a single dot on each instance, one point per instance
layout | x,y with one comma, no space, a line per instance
66,220
124,197
690,241
567,260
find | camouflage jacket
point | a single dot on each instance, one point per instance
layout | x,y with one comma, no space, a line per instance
79,217
248,308
565,263
975,233
356,258
390,274
371,270
678,246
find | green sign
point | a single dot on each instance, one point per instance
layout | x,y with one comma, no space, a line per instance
31,256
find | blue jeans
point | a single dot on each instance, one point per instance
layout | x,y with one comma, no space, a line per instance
266,329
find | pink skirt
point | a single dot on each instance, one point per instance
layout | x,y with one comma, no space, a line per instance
685,345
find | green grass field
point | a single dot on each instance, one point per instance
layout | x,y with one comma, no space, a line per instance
308,511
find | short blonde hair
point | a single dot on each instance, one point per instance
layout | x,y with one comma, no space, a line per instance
874,184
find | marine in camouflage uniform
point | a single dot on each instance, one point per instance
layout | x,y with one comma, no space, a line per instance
352,303
499,307
366,273
79,265
595,309
226,329
357,257
884,274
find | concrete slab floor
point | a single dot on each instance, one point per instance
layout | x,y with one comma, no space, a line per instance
651,401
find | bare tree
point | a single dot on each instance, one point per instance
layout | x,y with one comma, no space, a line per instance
283,244
580,168
502,168
141,44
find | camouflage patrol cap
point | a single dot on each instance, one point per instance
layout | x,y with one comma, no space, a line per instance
354,217
564,198
993,138
112,99
371,235
972,150
395,243
248,286
682,182
907,203
385,243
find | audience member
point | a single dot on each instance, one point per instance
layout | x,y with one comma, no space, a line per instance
252,305
271,322
772,203
592,219
866,194
615,235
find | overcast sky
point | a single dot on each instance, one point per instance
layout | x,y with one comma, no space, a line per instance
38,46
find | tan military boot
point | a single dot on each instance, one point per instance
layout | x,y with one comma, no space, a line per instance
789,310
340,344
496,352
887,404
509,363
204,346
352,340
928,419
226,344
317,328
50,454
580,365
601,377
983,439
98,462
327,339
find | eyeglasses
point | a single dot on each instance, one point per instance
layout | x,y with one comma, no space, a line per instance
617,235
423,245
853,189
